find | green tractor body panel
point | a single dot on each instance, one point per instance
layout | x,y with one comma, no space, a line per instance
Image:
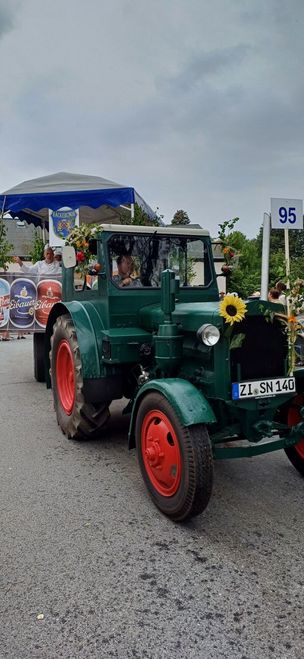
148,337
201,312
87,323
188,402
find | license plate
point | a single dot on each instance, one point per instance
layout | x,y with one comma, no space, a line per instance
260,388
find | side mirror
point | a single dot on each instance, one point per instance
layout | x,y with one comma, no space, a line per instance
68,256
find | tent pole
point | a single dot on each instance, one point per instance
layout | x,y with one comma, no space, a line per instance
265,257
3,207
43,231
132,212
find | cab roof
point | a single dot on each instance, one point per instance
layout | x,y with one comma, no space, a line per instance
172,230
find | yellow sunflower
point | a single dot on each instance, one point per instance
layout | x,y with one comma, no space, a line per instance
233,309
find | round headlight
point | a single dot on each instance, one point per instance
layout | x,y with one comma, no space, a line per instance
208,334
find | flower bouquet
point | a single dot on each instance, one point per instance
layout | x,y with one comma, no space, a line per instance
231,255
292,324
79,238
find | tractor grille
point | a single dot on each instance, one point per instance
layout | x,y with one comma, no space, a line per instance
263,351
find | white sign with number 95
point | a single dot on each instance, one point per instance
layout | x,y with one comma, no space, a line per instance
287,213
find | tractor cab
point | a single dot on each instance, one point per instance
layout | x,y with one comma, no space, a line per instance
127,262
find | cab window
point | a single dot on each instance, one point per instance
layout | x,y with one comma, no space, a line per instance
140,260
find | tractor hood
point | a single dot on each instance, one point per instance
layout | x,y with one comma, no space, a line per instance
190,316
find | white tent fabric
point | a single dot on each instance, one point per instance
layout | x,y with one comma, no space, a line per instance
97,198
62,182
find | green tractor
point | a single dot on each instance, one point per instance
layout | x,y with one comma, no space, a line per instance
200,385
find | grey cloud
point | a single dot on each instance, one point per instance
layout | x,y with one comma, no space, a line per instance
189,101
205,65
130,94
7,16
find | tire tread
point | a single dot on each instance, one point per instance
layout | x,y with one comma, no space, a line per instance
86,419
196,448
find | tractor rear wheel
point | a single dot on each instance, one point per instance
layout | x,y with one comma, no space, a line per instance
175,461
77,418
296,453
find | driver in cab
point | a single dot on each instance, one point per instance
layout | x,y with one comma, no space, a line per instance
126,275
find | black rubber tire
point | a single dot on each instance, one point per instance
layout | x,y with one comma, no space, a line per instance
86,419
195,487
39,357
293,455
295,459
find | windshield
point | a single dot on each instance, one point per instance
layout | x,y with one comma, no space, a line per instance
139,260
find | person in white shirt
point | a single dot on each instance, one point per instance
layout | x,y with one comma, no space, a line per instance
49,266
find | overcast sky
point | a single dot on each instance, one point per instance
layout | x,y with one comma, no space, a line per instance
199,105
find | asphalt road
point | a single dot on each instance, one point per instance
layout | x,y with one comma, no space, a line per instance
90,568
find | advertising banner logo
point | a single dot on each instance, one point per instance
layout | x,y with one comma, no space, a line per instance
48,293
4,302
61,223
22,303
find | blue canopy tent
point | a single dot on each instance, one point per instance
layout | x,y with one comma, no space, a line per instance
97,199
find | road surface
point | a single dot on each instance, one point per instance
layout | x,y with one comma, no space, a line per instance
90,568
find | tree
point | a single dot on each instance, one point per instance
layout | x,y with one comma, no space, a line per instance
245,275
226,229
37,247
140,217
296,241
5,247
180,217
237,240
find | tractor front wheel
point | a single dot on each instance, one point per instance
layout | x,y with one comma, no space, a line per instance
77,418
175,461
296,453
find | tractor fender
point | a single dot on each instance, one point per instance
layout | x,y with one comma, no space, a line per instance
87,323
187,401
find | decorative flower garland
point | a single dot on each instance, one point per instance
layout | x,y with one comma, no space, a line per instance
231,255
292,325
233,309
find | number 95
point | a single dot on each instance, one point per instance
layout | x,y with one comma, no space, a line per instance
287,215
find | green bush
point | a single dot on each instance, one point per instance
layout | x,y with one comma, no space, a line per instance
37,247
5,247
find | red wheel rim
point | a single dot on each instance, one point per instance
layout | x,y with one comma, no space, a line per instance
293,418
65,376
161,453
